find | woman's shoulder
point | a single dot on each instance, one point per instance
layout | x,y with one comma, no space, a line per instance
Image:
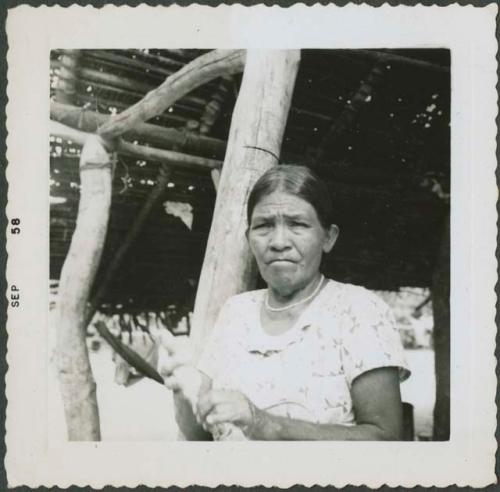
238,312
348,291
354,298
369,335
248,300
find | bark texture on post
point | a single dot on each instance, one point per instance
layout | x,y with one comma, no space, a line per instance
96,171
75,374
254,143
441,310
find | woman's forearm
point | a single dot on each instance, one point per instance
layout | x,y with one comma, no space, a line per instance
186,420
268,427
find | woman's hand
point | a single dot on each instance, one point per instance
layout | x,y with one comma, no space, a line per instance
177,367
220,406
179,353
178,370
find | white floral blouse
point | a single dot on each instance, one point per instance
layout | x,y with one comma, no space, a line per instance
307,372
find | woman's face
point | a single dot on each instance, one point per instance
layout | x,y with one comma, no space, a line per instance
288,240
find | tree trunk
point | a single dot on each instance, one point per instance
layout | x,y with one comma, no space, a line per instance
254,143
441,309
75,375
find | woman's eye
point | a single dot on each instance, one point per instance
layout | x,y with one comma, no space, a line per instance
260,226
299,224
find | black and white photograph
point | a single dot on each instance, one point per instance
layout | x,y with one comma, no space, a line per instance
344,234
248,241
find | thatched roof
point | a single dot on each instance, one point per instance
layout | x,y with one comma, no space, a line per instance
374,124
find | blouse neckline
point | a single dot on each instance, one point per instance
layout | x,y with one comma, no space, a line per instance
257,340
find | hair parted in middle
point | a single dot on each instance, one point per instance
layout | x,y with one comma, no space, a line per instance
295,180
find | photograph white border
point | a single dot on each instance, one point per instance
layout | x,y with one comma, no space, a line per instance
468,458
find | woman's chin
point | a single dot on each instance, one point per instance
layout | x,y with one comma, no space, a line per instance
282,282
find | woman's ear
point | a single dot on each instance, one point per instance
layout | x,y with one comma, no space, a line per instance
332,233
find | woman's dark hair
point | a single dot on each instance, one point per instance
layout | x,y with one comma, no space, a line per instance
295,180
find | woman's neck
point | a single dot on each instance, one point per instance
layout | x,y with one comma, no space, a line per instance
277,319
280,298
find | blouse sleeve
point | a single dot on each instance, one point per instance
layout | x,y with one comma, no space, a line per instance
370,337
215,350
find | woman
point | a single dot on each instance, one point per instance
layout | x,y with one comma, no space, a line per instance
308,358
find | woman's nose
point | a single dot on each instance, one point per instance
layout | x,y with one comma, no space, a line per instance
279,239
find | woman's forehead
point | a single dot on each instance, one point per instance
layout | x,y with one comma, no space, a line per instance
282,203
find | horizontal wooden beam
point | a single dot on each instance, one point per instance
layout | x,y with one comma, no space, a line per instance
387,56
138,151
158,60
366,180
88,121
111,80
68,75
125,61
134,87
134,66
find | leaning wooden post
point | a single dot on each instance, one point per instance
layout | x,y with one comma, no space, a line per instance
80,266
254,144
201,70
441,309
78,388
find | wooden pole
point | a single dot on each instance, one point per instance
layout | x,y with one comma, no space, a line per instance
138,151
441,311
257,128
201,70
89,121
78,388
